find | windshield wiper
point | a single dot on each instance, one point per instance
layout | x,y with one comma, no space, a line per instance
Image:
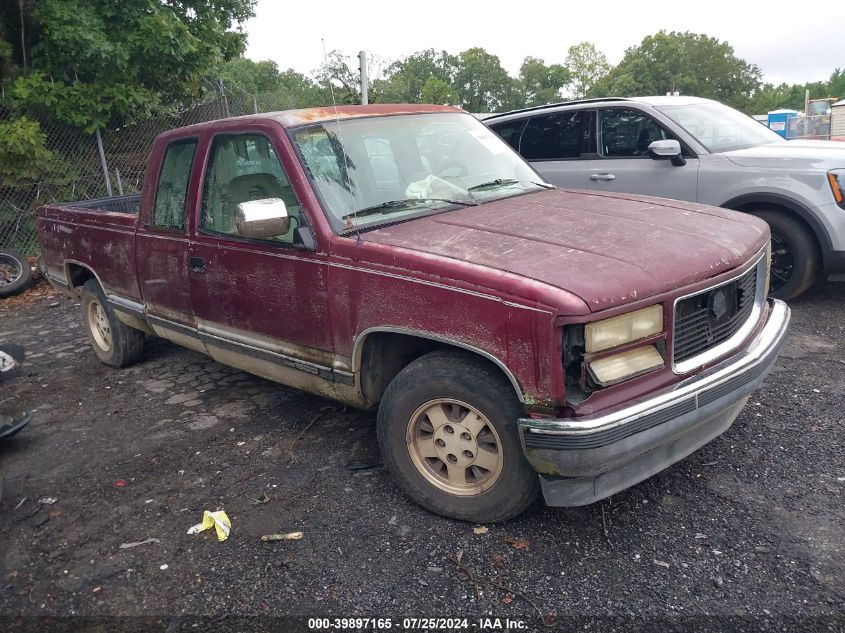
503,182
392,206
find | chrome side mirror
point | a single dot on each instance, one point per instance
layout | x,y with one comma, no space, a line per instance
260,219
667,149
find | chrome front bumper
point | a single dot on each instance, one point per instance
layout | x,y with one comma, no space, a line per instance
582,460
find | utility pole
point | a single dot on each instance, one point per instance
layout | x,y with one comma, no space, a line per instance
362,56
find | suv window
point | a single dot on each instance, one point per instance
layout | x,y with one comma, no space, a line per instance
242,168
172,187
554,136
627,132
510,131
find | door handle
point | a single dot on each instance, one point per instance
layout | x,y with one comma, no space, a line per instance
602,176
197,265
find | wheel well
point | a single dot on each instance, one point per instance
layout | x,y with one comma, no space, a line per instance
77,275
750,207
385,354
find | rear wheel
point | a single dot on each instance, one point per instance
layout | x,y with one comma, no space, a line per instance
795,255
115,343
447,431
15,273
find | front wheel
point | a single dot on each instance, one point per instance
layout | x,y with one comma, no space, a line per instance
795,256
447,431
15,273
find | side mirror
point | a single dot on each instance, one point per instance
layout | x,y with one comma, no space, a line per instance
260,219
667,149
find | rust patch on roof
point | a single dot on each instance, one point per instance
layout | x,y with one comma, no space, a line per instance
293,118
290,118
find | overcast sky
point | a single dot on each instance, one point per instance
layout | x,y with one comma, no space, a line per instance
792,43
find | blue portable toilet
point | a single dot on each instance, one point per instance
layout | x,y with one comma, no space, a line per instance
777,120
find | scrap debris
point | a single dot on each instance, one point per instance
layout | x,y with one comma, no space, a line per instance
289,536
221,523
137,543
477,581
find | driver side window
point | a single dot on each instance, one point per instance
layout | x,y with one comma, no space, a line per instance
627,133
243,168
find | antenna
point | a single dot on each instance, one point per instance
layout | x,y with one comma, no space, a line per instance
349,224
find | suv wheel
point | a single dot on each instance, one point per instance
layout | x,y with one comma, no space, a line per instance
795,257
447,431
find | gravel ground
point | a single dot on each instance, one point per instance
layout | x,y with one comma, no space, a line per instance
745,534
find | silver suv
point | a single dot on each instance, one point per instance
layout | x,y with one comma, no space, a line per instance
703,151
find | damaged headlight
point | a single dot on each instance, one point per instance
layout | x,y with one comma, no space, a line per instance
625,328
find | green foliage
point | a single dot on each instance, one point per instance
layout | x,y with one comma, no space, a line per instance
411,74
23,155
480,81
339,75
105,63
438,91
774,97
690,63
539,84
586,65
272,89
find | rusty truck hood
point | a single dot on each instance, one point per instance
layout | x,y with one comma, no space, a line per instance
608,249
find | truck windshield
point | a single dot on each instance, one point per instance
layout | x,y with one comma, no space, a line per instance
720,128
371,170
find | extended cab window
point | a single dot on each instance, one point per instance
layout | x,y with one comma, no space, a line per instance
243,168
554,136
625,133
172,188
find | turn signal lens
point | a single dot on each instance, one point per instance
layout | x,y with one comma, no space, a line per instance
611,369
836,180
625,328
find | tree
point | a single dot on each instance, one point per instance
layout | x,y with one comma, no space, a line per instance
249,76
410,74
586,65
438,91
540,84
480,81
689,63
339,74
90,64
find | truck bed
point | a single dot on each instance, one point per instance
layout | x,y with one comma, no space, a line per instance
95,234
116,204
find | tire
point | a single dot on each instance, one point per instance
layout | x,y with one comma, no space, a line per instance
114,342
795,255
15,273
479,412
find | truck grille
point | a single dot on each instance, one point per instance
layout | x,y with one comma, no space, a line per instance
709,318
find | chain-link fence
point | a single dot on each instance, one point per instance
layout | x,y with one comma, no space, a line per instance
107,162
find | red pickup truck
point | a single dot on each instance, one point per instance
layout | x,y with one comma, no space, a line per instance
513,336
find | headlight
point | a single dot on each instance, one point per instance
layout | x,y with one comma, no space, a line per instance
836,180
612,369
625,328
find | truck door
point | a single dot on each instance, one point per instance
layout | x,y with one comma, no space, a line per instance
260,304
623,163
161,253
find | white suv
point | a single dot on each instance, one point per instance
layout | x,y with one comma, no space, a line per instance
703,151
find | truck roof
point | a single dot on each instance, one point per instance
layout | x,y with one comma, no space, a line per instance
304,116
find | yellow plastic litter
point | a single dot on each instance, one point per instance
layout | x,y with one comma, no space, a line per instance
221,523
